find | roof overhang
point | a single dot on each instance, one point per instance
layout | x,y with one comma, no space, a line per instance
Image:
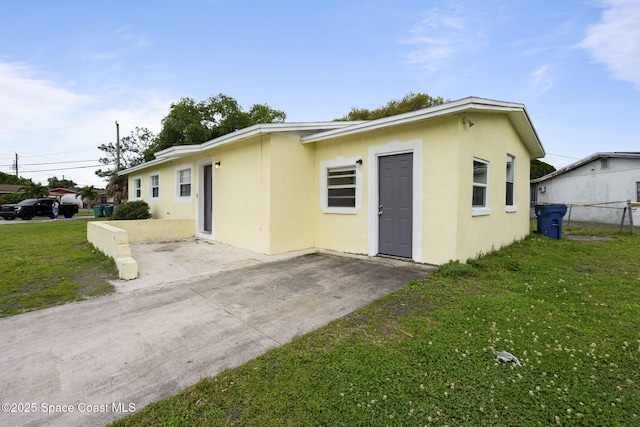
586,160
298,129
310,132
516,113
146,165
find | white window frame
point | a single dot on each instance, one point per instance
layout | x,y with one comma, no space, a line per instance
153,198
178,197
511,159
137,188
481,210
340,163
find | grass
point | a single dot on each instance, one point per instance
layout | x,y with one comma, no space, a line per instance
50,263
568,309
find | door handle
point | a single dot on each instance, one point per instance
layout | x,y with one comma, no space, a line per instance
380,210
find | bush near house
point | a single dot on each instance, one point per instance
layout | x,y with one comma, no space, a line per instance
568,309
138,209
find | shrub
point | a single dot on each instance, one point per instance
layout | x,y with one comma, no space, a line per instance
12,198
132,210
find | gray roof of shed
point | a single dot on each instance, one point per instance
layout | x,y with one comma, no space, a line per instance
589,159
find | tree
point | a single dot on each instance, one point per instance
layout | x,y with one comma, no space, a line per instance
12,198
540,169
8,179
117,188
54,182
410,102
133,149
34,191
191,122
88,193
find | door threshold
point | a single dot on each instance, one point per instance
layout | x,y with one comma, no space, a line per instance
396,257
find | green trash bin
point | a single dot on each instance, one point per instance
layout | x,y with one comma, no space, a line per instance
98,211
108,210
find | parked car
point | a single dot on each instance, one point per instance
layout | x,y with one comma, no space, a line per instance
29,208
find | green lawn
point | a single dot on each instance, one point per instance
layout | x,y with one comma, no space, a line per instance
568,309
50,263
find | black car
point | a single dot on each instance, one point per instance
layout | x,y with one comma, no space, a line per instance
29,208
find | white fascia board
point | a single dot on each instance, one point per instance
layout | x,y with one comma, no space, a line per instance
515,111
269,128
178,150
399,119
146,165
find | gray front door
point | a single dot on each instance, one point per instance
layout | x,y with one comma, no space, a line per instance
208,198
395,214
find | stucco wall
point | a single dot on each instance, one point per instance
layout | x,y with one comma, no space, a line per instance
242,192
155,229
168,205
113,242
267,192
292,195
590,183
491,139
448,229
113,238
337,231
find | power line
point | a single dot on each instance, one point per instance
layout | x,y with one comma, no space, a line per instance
560,155
53,163
64,169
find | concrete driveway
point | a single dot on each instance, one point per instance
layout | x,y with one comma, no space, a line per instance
91,362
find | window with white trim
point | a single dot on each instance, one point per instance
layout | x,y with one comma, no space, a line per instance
184,183
637,191
480,197
510,180
341,185
154,186
137,188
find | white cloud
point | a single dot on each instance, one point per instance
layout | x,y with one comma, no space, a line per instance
615,41
50,126
440,36
542,79
26,101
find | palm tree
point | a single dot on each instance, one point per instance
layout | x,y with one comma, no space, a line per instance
117,188
88,193
34,191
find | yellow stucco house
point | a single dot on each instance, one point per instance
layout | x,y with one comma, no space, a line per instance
449,182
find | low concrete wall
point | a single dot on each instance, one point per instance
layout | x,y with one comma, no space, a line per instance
113,237
148,230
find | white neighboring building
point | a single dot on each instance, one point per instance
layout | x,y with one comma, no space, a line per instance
597,180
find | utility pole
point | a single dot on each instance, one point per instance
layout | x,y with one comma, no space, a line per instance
117,146
16,165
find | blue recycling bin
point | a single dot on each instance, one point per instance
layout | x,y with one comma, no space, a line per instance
98,211
549,218
107,211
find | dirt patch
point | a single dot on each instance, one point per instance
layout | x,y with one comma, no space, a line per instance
94,282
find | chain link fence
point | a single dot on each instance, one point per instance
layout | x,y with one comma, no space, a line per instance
613,214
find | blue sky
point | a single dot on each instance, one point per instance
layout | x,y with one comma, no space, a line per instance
70,69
